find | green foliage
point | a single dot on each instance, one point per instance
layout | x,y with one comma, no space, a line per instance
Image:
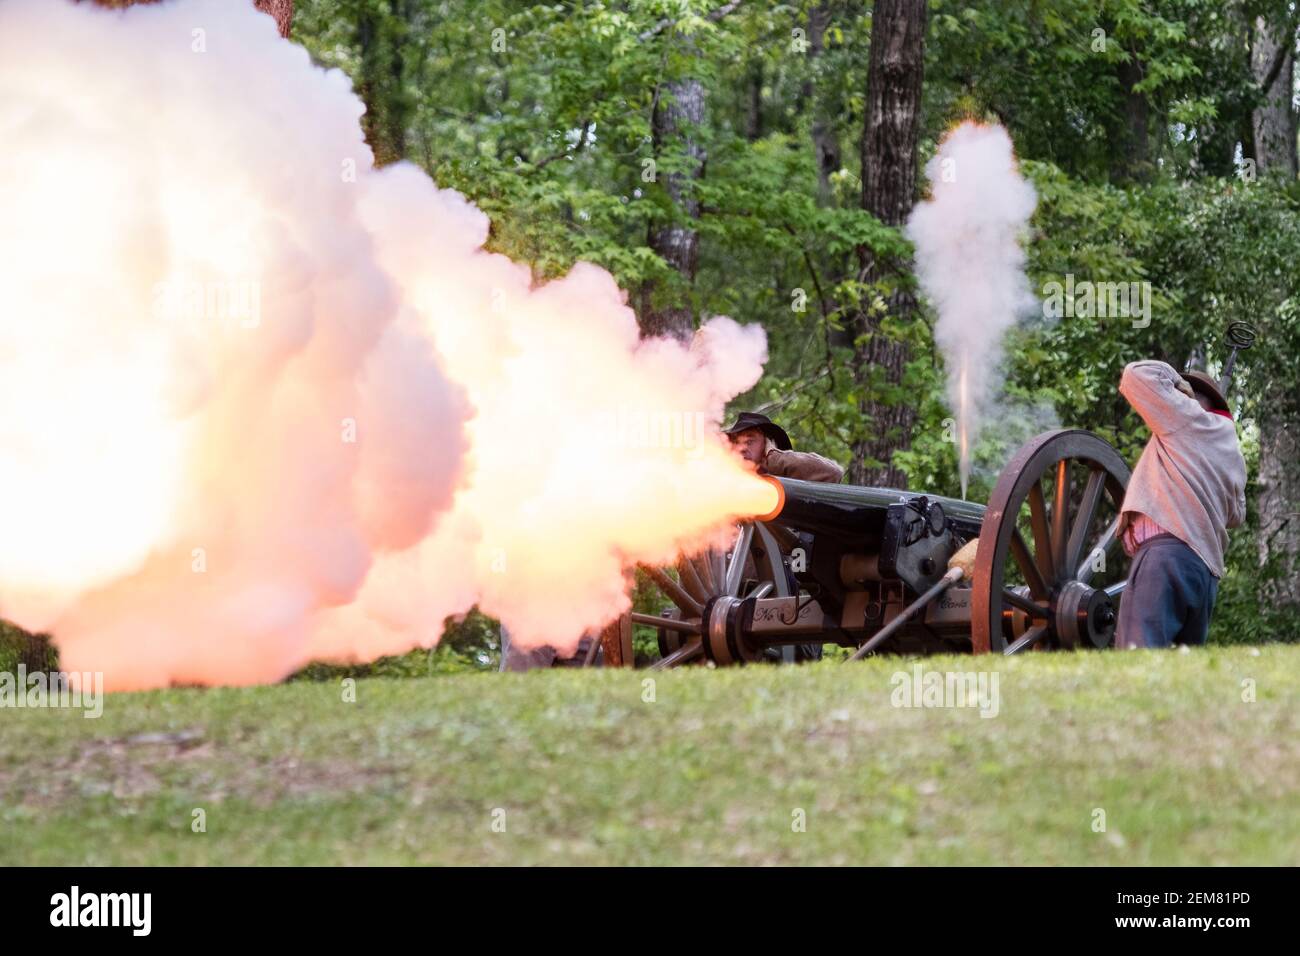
32,650
468,645
541,114
1051,72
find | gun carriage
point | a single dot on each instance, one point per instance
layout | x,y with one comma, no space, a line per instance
869,568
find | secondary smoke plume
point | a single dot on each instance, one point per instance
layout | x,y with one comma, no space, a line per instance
970,264
265,404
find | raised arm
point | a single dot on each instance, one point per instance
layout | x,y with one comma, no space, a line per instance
1152,389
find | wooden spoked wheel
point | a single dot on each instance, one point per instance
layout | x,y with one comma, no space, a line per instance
1049,569
704,588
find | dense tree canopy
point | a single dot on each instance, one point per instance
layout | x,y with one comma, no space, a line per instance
710,154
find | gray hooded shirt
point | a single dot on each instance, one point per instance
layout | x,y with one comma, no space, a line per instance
1191,478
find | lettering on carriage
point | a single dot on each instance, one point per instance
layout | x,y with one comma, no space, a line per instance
779,611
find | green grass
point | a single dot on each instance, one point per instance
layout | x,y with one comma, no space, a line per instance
711,772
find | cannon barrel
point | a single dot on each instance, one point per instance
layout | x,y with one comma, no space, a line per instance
851,511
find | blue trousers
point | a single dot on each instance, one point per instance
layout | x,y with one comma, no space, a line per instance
1169,598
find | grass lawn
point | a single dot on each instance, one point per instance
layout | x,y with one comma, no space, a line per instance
714,770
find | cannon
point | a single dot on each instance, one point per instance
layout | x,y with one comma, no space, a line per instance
868,569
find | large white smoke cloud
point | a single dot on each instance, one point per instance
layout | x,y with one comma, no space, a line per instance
970,264
266,404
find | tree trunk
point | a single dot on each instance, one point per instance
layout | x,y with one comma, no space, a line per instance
889,140
826,145
825,142
1278,500
754,101
1273,121
1131,161
1216,147
379,35
679,115
282,10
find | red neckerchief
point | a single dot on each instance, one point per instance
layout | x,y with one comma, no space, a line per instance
1219,411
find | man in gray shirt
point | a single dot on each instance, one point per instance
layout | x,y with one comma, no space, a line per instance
1188,488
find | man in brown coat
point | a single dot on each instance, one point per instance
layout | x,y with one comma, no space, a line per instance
760,440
